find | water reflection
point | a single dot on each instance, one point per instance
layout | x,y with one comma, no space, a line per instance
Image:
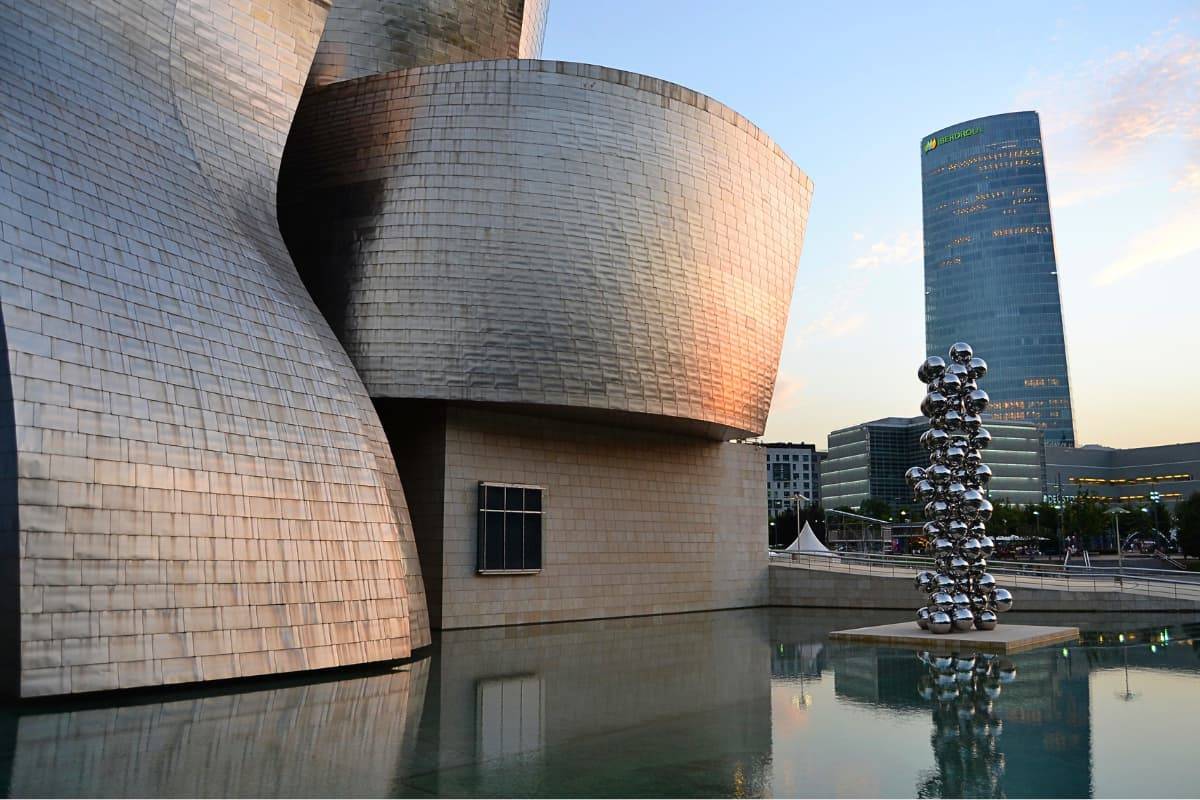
744,703
963,689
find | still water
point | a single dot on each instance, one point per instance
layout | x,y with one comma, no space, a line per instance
738,703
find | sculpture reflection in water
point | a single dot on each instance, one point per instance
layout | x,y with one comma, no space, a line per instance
965,726
960,592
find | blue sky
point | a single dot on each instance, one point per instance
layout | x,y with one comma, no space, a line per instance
848,90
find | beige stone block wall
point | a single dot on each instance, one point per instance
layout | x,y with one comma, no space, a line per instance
636,521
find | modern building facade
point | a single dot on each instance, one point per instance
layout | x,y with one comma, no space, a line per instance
1165,473
793,470
869,461
548,288
196,485
530,313
991,277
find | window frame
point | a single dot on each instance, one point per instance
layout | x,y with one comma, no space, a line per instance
480,527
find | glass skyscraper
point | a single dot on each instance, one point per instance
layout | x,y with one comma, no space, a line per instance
990,274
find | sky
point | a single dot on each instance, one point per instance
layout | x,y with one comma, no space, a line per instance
848,91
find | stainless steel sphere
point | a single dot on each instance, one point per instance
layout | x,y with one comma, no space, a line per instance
931,369
975,401
985,620
1003,600
934,404
973,458
925,490
972,499
944,583
950,385
940,601
982,474
956,529
933,529
960,600
984,512
971,422
977,368
986,583
980,439
971,549
939,622
939,473
923,618
952,420
961,353
924,580
943,546
960,371
987,546
958,567
955,455
914,476
962,619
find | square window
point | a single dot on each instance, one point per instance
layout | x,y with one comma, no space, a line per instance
509,536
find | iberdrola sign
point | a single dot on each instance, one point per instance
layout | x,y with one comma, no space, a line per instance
935,142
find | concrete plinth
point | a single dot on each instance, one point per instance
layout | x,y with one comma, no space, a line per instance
1003,639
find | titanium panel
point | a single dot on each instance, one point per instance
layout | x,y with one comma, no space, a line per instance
548,235
369,37
204,490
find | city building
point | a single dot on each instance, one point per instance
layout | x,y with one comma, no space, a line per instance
522,309
991,278
793,470
1164,473
869,460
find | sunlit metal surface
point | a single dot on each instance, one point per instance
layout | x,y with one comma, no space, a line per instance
204,488
548,234
368,37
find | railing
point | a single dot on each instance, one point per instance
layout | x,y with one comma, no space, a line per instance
1128,580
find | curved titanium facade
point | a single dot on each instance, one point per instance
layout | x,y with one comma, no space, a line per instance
369,37
990,273
543,234
202,486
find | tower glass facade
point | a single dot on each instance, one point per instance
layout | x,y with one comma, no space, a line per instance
991,278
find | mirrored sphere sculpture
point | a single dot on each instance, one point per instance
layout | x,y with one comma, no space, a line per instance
960,592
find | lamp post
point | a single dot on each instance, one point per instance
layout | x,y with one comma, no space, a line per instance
796,498
1037,522
1120,549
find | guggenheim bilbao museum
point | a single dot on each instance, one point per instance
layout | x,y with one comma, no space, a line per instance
328,324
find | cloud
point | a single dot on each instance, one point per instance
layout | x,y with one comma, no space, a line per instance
858,237
836,324
1175,238
904,248
788,391
1102,117
1190,180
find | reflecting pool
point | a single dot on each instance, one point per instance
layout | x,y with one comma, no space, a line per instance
737,703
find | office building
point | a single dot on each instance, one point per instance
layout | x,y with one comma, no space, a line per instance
1137,475
535,301
991,278
869,461
793,471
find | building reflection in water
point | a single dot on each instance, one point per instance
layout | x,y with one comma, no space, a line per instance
346,737
667,706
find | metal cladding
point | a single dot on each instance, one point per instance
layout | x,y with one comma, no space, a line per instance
548,234
954,489
202,487
369,37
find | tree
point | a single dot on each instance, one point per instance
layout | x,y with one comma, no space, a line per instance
875,508
1187,517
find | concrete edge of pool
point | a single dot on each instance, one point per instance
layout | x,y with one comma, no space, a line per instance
1003,639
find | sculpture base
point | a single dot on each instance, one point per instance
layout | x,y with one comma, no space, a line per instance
1002,639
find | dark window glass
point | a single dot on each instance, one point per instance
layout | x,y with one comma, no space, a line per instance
533,499
533,541
494,536
514,499
495,498
514,545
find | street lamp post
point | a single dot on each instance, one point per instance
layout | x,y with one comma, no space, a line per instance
1037,523
1120,549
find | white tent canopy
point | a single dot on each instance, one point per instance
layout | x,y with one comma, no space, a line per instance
807,542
